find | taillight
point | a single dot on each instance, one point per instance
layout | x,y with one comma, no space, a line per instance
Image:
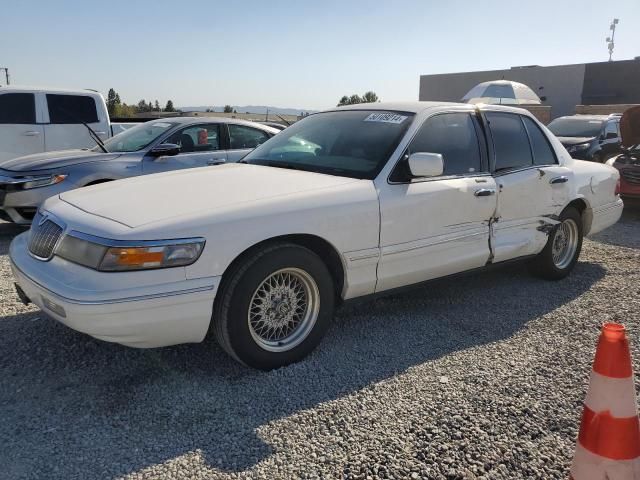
617,191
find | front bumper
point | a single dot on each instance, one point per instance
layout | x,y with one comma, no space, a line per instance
19,206
141,316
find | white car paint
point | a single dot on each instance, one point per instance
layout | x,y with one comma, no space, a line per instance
19,139
386,235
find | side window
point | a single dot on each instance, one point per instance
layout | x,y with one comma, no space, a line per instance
611,130
17,108
452,135
241,136
510,141
71,109
198,138
542,151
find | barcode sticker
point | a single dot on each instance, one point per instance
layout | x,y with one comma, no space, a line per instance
386,118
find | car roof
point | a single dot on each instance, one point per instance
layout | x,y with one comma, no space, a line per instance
418,107
207,119
587,117
28,88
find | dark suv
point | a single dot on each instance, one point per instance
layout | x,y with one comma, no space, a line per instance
589,137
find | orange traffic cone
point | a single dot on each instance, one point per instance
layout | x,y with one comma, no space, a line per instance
609,440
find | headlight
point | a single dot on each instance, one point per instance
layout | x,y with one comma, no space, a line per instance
44,181
112,256
579,146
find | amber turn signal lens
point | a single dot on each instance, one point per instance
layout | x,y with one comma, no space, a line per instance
136,256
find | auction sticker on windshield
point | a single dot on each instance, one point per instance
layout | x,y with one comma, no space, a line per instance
386,118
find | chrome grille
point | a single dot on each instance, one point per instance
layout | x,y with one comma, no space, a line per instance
43,237
631,175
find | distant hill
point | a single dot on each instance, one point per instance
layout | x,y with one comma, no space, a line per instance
250,109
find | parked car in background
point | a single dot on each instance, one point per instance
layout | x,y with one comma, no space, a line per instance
259,252
588,137
151,147
628,163
36,120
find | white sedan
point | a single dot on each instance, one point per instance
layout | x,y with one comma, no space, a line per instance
351,202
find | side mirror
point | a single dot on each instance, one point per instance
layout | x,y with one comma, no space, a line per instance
424,164
165,149
611,135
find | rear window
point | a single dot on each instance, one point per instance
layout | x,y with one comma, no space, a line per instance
17,108
71,109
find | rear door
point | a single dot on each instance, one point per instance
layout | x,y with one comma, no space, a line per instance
531,185
20,132
243,139
63,127
200,146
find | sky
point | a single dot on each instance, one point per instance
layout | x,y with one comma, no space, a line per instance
303,54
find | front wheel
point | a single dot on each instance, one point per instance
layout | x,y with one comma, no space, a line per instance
562,250
274,307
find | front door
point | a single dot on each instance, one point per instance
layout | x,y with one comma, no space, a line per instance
532,187
199,147
432,227
20,134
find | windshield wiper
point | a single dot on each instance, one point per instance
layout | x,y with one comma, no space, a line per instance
94,136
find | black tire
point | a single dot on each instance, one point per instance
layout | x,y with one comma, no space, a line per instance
230,320
543,265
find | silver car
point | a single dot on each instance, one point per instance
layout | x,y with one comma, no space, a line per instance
152,147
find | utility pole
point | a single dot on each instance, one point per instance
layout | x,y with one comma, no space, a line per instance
610,40
6,73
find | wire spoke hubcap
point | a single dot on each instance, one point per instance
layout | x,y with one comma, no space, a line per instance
283,309
565,243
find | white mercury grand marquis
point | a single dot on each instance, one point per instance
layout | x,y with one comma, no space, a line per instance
346,203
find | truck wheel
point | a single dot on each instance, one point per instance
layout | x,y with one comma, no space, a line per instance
562,250
275,306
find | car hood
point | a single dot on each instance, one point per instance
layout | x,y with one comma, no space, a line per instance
53,160
566,141
175,195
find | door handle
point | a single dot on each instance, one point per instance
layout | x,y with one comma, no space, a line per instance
31,133
101,133
560,179
216,161
485,192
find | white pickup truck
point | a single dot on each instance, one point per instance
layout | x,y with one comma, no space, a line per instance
36,120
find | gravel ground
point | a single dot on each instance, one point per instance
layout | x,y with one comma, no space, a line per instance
477,377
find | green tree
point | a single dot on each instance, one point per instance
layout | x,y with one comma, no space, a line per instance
228,109
113,99
142,106
369,97
156,106
344,101
169,107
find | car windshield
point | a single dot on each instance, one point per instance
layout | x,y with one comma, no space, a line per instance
136,138
350,143
575,127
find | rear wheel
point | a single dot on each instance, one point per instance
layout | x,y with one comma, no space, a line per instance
562,250
274,307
